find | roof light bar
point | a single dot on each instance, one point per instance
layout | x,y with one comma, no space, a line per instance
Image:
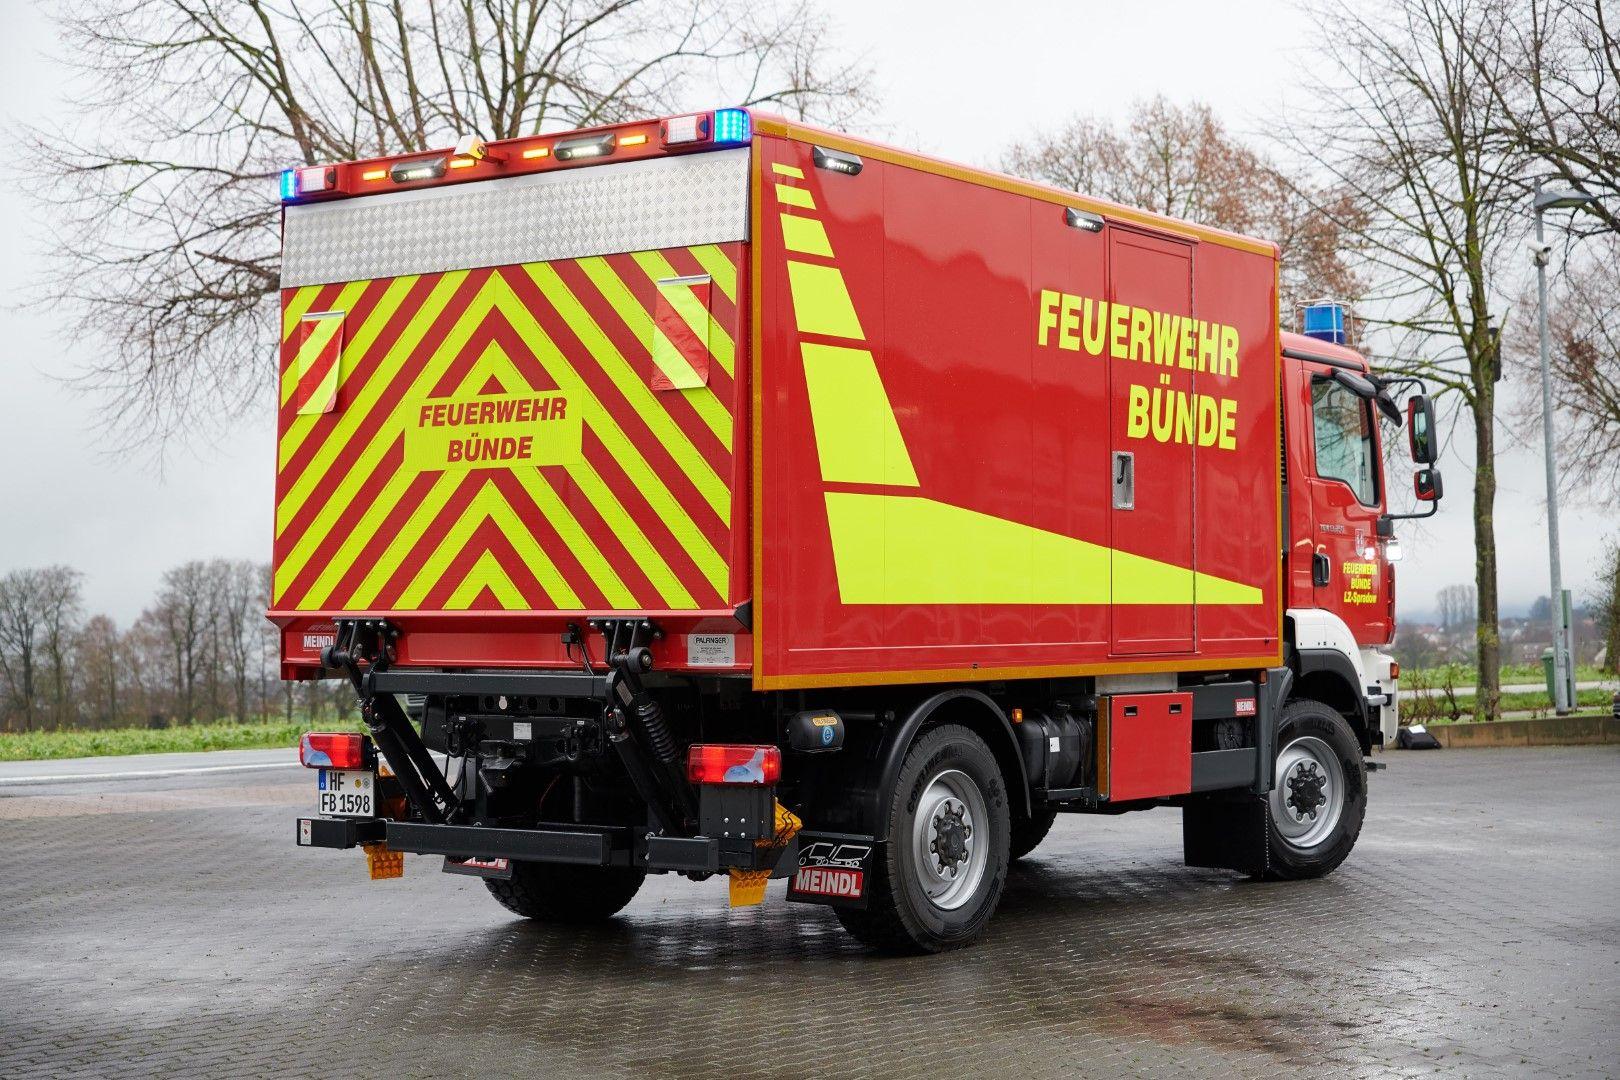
633,140
680,130
289,184
587,146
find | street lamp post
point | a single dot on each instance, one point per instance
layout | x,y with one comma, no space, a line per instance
1562,684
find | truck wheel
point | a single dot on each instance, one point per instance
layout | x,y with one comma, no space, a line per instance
1319,795
1028,832
945,864
552,892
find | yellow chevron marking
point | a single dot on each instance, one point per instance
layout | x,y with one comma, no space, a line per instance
489,503
495,363
787,170
857,437
692,313
399,545
719,267
486,574
788,195
632,386
805,234
710,409
354,351
821,303
294,311
888,549
652,488
365,399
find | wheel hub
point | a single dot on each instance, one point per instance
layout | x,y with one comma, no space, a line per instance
1305,784
950,836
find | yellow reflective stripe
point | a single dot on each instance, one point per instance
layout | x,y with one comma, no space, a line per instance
787,170
788,195
631,385
857,437
486,573
705,402
353,355
901,549
821,303
806,235
651,486
373,388
295,308
576,540
694,314
399,545
718,267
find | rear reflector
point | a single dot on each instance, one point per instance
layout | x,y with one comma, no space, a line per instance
333,750
733,764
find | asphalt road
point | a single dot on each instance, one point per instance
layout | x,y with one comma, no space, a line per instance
167,925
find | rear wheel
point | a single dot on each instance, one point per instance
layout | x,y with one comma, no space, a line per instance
552,892
945,864
1319,794
1028,832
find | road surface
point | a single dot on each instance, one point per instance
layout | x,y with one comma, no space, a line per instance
167,925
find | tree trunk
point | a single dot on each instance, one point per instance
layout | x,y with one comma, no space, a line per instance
1611,644
1488,693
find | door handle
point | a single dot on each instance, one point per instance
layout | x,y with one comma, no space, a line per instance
1124,480
1321,569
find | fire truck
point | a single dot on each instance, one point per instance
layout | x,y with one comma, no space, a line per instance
721,495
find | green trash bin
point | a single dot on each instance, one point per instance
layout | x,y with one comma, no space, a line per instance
1547,666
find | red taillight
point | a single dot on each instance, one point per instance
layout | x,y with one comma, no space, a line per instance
734,764
1394,670
332,750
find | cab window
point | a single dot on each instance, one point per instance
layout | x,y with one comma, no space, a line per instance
1344,439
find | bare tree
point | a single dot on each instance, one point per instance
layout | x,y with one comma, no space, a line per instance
1605,605
184,619
39,609
1558,98
1179,160
244,596
167,246
1457,605
100,653
1409,126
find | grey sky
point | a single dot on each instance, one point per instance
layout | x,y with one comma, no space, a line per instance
952,82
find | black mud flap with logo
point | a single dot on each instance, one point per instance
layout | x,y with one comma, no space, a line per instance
834,868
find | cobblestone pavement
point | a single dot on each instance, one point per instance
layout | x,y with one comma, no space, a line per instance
170,926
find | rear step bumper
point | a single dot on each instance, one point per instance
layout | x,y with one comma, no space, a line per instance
580,845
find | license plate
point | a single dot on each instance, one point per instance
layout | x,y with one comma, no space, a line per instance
346,793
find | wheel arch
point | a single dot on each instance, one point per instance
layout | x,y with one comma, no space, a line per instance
975,711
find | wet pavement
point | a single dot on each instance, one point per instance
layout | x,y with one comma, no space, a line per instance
168,925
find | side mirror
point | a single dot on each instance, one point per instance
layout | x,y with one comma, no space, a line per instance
1420,433
1426,484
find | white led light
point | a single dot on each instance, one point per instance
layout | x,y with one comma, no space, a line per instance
683,129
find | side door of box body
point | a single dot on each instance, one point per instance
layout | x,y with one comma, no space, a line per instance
1154,273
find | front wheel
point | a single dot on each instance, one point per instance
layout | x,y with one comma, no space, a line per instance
1319,792
943,869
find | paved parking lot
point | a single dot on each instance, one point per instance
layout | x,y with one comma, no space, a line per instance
167,925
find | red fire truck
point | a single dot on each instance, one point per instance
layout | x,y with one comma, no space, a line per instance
719,494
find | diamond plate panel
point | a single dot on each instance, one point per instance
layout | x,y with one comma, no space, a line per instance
596,210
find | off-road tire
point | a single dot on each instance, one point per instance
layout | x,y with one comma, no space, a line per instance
1028,832
1307,718
553,892
900,917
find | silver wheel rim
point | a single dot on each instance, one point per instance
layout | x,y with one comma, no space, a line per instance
1309,794
950,839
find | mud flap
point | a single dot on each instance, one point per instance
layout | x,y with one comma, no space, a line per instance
834,868
1227,832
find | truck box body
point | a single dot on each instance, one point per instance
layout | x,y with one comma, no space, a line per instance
823,428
